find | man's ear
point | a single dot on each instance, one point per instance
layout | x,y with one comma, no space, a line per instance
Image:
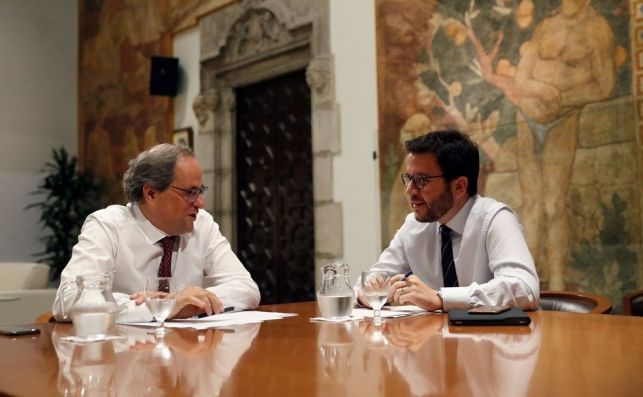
148,192
459,186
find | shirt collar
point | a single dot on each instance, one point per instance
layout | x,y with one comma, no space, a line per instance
460,219
151,232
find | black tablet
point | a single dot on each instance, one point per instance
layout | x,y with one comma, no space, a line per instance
512,316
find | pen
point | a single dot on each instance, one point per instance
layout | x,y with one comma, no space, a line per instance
406,275
225,309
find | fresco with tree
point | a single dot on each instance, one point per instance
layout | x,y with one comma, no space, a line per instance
544,88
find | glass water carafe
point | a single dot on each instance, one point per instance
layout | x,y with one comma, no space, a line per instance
335,295
94,309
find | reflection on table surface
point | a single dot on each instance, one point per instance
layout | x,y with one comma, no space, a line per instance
428,357
187,363
558,354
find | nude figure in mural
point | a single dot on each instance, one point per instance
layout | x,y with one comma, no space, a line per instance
567,63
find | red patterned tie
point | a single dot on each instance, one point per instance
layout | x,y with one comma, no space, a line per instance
165,268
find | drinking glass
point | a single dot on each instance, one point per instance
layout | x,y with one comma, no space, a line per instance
376,287
160,297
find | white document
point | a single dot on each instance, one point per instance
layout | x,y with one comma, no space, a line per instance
337,320
406,309
389,311
220,320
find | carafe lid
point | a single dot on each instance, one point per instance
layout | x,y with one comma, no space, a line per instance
333,269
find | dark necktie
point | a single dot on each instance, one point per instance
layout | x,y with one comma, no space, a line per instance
165,268
448,264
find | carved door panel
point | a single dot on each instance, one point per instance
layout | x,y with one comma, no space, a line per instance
275,217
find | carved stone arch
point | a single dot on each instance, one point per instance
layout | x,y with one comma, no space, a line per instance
255,40
255,32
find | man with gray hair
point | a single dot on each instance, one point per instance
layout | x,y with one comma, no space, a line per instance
166,199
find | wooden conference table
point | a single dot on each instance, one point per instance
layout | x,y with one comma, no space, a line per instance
559,354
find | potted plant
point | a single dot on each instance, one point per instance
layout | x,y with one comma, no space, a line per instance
69,195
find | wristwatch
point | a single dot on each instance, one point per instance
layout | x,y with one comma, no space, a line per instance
439,294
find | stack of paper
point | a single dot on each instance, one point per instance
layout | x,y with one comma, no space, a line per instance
409,309
338,320
390,311
220,320
359,313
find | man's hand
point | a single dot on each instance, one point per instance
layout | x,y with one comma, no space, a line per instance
361,300
376,281
413,291
138,298
193,301
190,302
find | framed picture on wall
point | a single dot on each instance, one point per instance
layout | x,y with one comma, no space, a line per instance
183,136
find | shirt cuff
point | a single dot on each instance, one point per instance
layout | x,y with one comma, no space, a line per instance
133,313
455,298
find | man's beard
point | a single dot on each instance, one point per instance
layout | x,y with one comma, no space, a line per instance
436,209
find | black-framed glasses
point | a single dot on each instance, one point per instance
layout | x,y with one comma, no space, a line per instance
418,180
193,194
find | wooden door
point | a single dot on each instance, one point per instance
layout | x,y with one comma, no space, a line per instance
274,181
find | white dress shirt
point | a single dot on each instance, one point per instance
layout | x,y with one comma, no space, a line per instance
492,261
121,240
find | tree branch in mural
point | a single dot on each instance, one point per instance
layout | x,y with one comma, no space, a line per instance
484,67
566,62
611,264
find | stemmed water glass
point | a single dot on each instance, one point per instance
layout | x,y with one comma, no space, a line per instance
375,289
160,297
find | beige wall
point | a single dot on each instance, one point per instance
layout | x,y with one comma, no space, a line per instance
356,178
38,109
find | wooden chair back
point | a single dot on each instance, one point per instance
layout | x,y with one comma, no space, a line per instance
574,301
633,303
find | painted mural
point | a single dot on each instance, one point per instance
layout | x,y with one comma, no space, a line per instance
118,117
544,88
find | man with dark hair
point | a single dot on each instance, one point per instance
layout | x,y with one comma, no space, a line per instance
463,250
164,214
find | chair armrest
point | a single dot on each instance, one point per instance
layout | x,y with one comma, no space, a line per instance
24,306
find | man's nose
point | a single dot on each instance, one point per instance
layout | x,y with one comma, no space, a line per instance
200,201
410,187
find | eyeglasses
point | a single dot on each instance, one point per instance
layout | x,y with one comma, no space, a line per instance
418,180
193,194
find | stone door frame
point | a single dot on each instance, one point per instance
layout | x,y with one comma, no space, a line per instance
248,42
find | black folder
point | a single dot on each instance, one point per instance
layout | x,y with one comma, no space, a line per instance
513,316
